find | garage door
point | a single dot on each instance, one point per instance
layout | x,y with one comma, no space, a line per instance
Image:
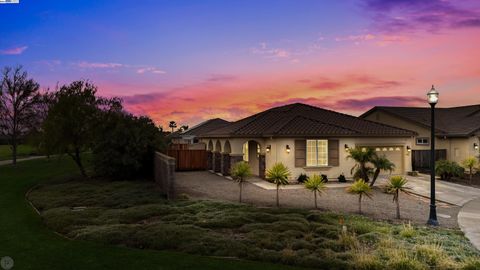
394,154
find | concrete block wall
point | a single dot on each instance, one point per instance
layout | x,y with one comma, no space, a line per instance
165,174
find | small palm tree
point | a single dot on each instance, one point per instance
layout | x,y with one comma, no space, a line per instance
360,188
240,172
381,163
315,184
362,156
469,164
278,175
394,186
172,125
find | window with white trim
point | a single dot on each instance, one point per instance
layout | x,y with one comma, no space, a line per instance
423,141
317,153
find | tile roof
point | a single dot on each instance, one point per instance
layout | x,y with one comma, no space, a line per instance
451,122
206,127
300,120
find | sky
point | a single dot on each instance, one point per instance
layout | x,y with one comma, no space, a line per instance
189,61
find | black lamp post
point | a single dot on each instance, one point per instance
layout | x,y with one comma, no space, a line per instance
432,99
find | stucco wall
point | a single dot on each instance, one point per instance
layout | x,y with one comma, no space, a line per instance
457,148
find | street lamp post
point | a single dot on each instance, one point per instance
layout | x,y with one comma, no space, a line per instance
432,100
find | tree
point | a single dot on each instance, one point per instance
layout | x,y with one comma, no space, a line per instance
123,145
394,186
278,175
19,96
72,118
240,172
183,128
360,188
470,163
172,125
315,184
381,163
362,156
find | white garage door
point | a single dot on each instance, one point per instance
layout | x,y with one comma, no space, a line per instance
394,154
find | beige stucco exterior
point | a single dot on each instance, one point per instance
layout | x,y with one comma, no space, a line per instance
278,153
458,149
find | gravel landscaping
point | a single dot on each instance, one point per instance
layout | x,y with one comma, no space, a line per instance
206,185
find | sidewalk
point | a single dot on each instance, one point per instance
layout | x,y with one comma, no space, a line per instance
8,162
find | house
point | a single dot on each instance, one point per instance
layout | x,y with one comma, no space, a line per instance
306,139
189,139
457,131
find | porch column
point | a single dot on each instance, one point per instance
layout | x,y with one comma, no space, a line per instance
261,166
217,157
209,160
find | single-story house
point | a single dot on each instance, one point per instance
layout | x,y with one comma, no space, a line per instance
457,131
188,139
306,139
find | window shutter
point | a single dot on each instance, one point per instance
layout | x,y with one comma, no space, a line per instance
333,153
300,153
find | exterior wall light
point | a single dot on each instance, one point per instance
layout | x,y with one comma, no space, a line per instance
409,149
346,147
475,146
269,147
287,148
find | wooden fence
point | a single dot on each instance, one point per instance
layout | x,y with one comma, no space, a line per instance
189,160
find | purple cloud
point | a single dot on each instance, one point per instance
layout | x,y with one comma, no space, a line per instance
221,78
367,103
412,15
14,51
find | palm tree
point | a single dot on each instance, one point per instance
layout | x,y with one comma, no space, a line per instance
278,175
394,186
360,188
362,156
172,125
381,163
470,163
240,172
315,184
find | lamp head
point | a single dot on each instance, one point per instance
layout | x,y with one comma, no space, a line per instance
432,96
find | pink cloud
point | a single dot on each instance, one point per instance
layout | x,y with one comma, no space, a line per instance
14,51
153,70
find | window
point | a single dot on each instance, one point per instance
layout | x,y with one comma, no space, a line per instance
317,153
423,141
245,152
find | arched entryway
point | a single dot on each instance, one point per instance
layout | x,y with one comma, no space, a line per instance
253,155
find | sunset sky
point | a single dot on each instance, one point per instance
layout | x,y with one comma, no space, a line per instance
190,61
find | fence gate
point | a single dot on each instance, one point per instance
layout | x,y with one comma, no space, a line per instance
189,160
421,159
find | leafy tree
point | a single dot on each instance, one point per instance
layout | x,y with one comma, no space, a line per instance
240,172
278,175
360,188
362,156
470,163
123,145
19,97
72,118
381,163
172,125
397,184
315,184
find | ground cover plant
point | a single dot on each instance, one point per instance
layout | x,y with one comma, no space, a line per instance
132,214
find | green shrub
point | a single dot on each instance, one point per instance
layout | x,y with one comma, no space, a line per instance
408,231
342,178
302,178
448,169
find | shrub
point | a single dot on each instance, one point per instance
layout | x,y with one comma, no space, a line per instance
448,169
470,163
324,178
408,231
342,178
302,178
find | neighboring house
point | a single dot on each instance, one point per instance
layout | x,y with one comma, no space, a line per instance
457,131
190,136
307,139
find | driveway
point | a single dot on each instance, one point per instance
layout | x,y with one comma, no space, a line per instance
205,185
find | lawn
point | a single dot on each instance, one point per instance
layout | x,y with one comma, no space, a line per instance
25,238
132,214
23,150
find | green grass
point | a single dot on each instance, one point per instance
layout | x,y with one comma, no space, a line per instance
25,238
23,150
133,214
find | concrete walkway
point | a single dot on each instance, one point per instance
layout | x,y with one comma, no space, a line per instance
469,221
7,162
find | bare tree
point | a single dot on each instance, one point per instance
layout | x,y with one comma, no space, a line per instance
18,103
